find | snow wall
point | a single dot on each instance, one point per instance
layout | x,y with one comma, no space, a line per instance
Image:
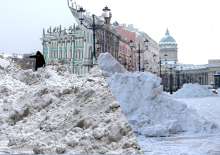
149,110
52,111
190,90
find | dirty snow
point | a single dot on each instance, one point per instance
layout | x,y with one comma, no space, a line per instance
149,110
190,90
52,111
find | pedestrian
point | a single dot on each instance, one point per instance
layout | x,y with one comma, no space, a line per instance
40,62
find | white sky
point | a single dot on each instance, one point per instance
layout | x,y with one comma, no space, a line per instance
193,24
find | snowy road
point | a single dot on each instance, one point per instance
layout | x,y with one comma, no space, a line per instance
188,144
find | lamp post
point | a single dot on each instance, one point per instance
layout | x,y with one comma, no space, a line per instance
139,51
145,62
94,26
171,76
130,58
154,57
125,63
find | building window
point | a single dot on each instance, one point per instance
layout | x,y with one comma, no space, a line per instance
71,54
75,55
79,55
91,38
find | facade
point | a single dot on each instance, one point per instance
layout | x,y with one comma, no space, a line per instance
184,73
168,46
126,53
67,46
107,36
138,38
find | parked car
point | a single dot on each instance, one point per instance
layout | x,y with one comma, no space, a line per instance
210,87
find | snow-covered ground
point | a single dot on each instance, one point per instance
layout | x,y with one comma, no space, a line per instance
188,143
193,90
163,124
52,111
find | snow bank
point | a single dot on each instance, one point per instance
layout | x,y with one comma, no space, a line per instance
193,90
218,90
52,111
148,109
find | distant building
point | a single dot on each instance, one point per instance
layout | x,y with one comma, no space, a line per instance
138,37
168,46
68,46
106,35
184,73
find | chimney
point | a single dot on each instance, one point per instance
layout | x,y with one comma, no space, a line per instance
130,25
124,25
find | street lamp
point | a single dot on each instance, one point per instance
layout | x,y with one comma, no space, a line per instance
94,26
143,69
154,57
139,50
171,76
120,58
98,45
130,58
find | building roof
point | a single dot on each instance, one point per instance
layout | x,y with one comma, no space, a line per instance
167,39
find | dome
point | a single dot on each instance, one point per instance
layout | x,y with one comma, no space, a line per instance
167,39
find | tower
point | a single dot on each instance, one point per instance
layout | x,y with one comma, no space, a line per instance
168,46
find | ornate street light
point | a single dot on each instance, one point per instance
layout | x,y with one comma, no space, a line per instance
119,58
94,26
154,57
139,50
165,57
143,69
171,76
131,44
98,45
130,58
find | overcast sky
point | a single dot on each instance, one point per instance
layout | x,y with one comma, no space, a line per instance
193,24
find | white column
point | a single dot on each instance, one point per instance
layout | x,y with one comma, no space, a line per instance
49,55
68,49
58,44
73,42
84,56
63,50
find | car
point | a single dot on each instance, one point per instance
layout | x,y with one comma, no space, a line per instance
210,87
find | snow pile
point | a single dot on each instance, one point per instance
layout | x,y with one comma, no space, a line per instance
218,91
193,90
148,109
52,111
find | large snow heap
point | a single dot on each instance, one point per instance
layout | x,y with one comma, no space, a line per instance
193,90
52,111
148,109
